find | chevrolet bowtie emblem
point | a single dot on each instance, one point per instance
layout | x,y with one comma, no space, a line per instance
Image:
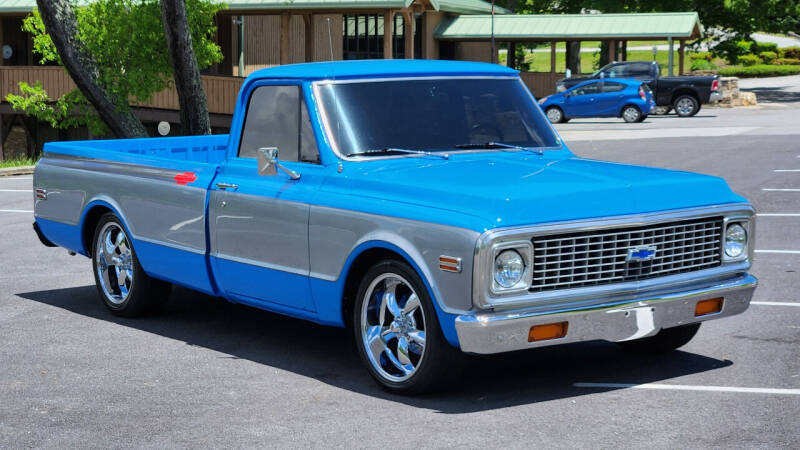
641,253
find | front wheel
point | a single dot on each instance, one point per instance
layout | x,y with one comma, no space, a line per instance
555,115
686,106
631,114
666,340
124,287
397,332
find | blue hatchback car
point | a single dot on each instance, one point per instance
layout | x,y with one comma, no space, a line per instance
611,97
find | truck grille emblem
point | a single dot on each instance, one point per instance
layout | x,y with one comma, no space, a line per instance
641,253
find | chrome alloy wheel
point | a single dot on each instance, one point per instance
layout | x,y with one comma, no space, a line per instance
114,263
630,114
685,106
554,115
393,327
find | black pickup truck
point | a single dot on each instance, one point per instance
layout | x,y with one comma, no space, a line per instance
684,94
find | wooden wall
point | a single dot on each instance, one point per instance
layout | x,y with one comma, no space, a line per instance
541,84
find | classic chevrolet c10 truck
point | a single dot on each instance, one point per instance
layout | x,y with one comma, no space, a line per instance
427,205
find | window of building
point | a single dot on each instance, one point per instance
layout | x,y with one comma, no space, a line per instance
277,116
363,36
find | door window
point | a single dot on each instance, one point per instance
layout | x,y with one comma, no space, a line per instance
277,116
610,86
586,89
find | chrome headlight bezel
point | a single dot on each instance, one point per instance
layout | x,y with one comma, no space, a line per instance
747,224
525,251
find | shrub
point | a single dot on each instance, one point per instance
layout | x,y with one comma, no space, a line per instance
758,47
789,52
787,62
700,56
731,50
702,64
761,70
749,60
768,57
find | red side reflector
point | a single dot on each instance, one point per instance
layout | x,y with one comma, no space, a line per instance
547,331
185,178
706,307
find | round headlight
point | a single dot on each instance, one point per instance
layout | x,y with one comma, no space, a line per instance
735,240
508,268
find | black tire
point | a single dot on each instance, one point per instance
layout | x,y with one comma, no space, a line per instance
433,363
686,105
140,293
631,113
642,118
666,340
555,115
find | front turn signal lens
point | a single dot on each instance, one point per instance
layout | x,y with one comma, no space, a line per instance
548,331
706,307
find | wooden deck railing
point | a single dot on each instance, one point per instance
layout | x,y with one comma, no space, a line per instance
220,91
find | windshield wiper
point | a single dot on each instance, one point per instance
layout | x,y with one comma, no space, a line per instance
501,145
399,150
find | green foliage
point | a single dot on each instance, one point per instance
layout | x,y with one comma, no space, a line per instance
702,64
732,49
760,47
787,61
701,55
789,52
750,60
768,57
126,37
520,58
761,70
17,162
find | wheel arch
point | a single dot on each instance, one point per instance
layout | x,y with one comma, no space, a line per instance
684,91
92,213
370,252
625,105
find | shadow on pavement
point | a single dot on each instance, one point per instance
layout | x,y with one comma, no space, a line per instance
327,354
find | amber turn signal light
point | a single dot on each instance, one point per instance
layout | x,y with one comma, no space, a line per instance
705,307
548,331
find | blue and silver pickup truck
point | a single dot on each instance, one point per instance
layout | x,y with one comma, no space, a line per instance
427,205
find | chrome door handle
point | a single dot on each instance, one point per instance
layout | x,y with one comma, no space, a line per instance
227,186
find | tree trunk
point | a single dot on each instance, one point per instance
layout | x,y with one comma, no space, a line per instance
605,57
62,26
191,96
574,57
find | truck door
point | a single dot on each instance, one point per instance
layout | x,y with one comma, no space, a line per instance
259,224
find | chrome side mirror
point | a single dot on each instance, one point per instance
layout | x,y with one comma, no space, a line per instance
268,163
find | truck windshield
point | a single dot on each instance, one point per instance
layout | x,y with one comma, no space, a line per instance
432,115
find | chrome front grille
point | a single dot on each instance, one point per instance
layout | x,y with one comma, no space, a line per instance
590,258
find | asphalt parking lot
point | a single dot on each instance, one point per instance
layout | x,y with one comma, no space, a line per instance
208,373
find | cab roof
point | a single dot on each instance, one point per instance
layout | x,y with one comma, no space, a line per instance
382,68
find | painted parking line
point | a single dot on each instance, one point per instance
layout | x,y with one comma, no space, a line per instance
780,190
777,215
776,303
785,252
688,387
15,211
786,170
16,190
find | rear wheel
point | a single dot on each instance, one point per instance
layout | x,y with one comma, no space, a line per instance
686,106
664,341
631,114
555,114
124,287
642,118
397,332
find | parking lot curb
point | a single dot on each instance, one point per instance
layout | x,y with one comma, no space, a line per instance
21,170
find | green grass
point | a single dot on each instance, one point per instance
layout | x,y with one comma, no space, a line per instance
16,162
761,70
596,44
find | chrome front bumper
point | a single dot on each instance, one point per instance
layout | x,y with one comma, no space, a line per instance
715,96
617,319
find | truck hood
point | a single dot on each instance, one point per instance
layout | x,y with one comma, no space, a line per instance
500,189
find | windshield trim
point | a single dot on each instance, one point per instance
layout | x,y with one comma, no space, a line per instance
334,145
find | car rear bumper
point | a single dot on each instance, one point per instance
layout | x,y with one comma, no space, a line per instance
715,96
617,319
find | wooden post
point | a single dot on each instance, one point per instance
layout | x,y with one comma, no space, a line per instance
285,38
511,56
309,37
1,49
2,137
671,56
408,33
552,56
624,51
612,50
388,34
681,52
